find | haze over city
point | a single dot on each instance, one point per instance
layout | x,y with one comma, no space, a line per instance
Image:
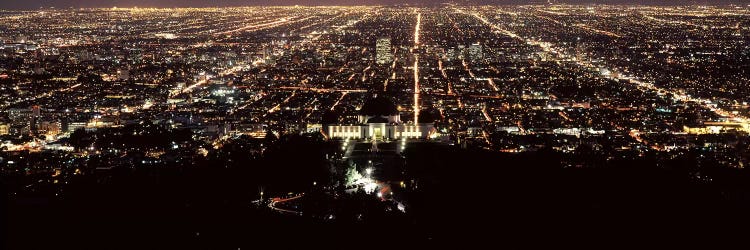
33,4
385,125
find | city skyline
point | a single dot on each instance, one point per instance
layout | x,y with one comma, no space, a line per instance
34,4
394,126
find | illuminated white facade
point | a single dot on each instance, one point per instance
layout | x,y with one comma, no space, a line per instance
345,131
380,131
379,119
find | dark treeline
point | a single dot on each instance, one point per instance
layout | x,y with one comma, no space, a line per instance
205,204
458,195
523,197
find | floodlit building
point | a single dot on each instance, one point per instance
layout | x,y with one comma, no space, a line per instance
379,119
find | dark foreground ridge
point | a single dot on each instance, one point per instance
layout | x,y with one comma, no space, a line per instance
469,196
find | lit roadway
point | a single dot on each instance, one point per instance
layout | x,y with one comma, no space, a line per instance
294,90
416,88
393,75
486,115
254,27
25,15
417,28
595,30
339,100
677,22
44,95
578,25
278,106
321,90
416,68
549,48
273,204
204,81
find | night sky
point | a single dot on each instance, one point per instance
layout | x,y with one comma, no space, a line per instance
32,4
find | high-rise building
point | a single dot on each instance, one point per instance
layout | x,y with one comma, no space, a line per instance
19,115
451,54
475,52
36,111
4,129
383,54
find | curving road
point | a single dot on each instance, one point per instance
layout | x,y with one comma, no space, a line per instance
273,204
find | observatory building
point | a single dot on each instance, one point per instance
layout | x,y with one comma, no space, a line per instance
379,119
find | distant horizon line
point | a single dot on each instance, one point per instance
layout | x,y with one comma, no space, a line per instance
368,5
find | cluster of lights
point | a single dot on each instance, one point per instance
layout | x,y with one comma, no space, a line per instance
346,143
369,185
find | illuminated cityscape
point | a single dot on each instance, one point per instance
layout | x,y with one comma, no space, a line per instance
219,128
